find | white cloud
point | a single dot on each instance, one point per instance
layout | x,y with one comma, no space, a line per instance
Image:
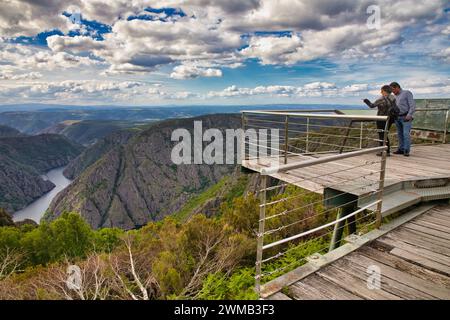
212,36
192,72
439,86
27,18
94,91
31,58
22,76
308,90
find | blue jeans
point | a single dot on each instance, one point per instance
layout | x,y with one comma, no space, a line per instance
404,134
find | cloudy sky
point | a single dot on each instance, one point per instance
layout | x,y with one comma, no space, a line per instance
141,52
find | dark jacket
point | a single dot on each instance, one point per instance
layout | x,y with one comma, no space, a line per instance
383,104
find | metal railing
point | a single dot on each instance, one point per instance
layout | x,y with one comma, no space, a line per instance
431,124
315,152
316,131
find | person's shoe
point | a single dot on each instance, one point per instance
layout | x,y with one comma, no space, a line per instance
406,154
399,152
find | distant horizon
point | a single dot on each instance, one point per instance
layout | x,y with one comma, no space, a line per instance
53,107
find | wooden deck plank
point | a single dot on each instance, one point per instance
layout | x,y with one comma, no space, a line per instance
436,220
432,225
403,284
316,288
279,296
387,282
353,284
420,260
420,242
441,213
433,232
423,236
436,257
405,266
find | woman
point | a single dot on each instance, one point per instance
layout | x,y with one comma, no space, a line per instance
386,107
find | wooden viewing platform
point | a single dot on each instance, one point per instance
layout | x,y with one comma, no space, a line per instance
360,187
413,256
426,161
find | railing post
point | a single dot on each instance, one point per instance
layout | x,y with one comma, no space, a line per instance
260,236
447,114
382,177
361,135
286,137
338,230
243,147
347,133
307,135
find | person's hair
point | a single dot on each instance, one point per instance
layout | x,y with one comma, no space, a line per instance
387,89
395,85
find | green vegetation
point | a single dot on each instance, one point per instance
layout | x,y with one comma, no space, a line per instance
226,189
67,237
196,201
201,258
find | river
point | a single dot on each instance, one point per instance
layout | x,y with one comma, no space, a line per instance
36,209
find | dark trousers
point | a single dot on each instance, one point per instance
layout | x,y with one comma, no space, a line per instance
381,126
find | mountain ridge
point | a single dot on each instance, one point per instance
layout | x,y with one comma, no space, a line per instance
136,182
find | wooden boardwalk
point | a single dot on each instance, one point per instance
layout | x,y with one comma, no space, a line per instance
414,261
426,161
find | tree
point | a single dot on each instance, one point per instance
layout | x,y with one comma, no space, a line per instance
5,218
10,260
68,236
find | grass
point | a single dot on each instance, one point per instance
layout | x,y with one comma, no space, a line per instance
197,200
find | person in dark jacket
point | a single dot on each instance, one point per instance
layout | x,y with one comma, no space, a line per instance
384,105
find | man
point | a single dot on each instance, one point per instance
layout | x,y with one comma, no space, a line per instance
384,104
407,106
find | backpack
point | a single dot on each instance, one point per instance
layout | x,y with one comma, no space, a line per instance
393,110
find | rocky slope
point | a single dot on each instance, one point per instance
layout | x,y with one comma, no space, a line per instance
6,131
23,160
137,182
87,132
93,153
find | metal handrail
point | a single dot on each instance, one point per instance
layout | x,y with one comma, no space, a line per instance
312,162
303,234
433,109
319,115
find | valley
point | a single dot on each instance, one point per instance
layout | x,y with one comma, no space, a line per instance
36,209
23,159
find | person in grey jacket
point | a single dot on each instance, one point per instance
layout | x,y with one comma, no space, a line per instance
384,104
407,106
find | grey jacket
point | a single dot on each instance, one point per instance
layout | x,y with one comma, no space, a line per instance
406,103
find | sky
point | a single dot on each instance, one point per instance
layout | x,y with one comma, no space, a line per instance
191,52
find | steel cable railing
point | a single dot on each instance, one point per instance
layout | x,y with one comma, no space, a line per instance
311,150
